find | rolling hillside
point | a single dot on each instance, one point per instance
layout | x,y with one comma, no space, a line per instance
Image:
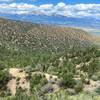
41,37
47,62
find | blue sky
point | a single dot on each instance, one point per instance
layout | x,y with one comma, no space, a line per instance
38,2
67,8
65,1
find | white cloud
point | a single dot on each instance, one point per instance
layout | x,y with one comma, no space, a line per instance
14,8
77,10
46,6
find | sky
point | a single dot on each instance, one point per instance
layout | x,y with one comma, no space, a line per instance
38,2
67,8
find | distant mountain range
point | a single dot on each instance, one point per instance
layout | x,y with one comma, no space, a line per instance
90,24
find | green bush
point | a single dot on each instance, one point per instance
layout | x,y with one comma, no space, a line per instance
79,86
4,77
68,80
93,67
21,95
98,90
36,82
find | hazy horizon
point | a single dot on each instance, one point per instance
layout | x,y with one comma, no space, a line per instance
83,14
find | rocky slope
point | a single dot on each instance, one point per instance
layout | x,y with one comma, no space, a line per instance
43,37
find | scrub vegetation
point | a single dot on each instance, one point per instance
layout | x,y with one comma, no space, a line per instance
42,62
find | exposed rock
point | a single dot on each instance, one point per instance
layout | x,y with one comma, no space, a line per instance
79,66
94,77
18,80
16,72
48,88
71,91
12,86
92,86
